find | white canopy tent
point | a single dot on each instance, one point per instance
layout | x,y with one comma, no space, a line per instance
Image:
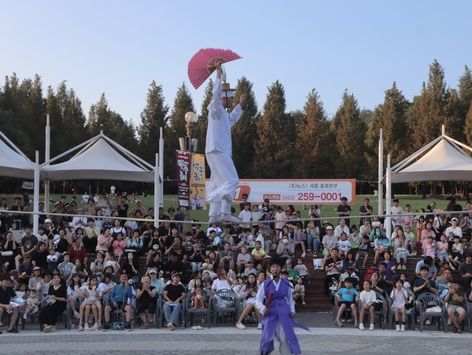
443,159
99,158
13,163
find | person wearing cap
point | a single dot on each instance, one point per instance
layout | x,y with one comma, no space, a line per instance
344,211
224,177
453,229
329,240
274,301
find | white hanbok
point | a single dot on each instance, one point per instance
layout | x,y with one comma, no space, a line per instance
224,177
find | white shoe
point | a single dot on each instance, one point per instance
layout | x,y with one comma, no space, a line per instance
214,220
397,327
194,327
240,326
402,328
259,326
229,218
428,322
371,326
86,326
361,326
199,327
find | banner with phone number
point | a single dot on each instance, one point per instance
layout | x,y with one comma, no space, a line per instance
297,191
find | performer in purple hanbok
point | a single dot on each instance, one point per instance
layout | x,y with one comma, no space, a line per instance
274,300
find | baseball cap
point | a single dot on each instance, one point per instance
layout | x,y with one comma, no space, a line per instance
329,228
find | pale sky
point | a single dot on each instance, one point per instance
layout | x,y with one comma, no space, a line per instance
119,47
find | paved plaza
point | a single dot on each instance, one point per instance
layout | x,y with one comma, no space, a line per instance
228,341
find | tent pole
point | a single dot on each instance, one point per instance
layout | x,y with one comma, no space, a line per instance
47,156
388,198
380,174
161,167
36,195
156,192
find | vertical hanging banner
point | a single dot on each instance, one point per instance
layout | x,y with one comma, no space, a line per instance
197,182
183,177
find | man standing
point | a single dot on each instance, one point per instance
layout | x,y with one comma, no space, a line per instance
224,178
278,312
344,211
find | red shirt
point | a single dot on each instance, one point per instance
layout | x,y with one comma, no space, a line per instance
75,254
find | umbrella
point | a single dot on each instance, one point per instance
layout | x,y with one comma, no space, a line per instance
202,63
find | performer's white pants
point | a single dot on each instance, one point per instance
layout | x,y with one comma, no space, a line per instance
223,183
284,348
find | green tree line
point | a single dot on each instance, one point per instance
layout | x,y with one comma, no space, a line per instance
268,142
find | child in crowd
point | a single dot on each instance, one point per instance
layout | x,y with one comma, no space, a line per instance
32,304
442,248
401,253
91,303
299,238
346,297
299,291
367,300
52,260
363,250
344,245
457,250
355,238
429,247
119,246
399,296
410,238
302,270
198,302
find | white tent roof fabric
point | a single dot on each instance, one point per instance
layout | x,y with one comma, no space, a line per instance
13,164
442,162
99,160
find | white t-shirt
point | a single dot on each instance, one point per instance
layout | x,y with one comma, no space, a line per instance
368,297
220,285
338,230
344,245
280,218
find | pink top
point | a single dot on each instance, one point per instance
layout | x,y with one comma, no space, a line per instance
119,247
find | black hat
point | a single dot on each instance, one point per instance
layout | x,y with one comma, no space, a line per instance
343,198
277,261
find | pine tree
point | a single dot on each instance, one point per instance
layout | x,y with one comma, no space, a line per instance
153,117
429,112
72,115
274,147
245,130
182,104
349,130
312,143
468,126
391,116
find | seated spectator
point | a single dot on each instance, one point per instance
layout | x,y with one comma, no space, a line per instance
258,253
343,244
399,297
91,302
363,251
342,227
299,291
465,269
313,237
130,267
226,257
367,299
155,281
285,249
104,241
457,249
174,293
292,274
454,230
222,282
73,293
423,284
429,247
346,299
456,306
120,298
56,304
146,298
78,252
333,267
380,246
248,294
429,262
66,267
299,238
6,295
105,286
198,301
241,260
329,241
355,237
302,270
